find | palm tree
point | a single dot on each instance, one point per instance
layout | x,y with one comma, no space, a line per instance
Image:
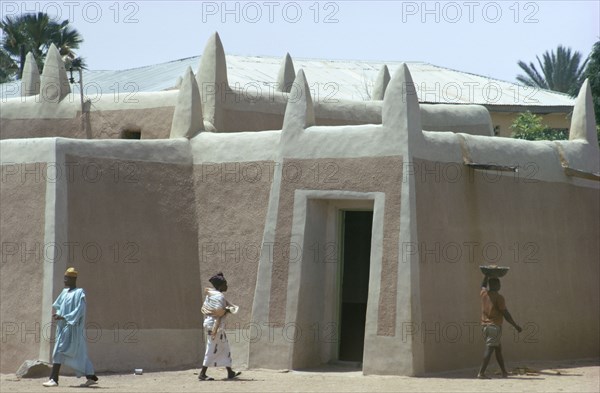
8,67
34,33
592,72
560,71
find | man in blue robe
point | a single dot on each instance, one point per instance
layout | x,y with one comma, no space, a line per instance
70,347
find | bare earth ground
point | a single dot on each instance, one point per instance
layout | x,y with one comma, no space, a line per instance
566,376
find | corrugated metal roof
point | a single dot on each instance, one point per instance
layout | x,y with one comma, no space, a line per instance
328,79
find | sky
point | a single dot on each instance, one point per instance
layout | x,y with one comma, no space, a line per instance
482,37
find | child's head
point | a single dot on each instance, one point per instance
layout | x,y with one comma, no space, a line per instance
218,281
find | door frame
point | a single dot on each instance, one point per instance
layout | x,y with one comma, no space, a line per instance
313,349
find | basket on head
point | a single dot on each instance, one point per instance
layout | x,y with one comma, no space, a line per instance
494,271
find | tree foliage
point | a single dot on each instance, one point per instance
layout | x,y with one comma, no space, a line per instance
592,72
8,67
562,71
34,33
529,126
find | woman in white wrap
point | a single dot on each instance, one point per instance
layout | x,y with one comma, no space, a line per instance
215,309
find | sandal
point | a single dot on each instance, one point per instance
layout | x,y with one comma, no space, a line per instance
205,378
234,375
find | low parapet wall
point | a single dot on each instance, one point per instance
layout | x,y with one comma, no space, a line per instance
50,109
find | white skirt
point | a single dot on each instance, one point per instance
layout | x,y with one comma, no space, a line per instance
217,352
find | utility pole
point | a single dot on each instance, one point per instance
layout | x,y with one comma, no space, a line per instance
83,111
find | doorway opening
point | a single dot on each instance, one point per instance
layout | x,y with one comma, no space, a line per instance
355,257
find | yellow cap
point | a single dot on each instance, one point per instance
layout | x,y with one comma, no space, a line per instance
71,272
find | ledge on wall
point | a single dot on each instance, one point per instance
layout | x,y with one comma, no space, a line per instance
492,167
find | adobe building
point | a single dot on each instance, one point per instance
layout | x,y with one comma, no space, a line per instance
348,231
261,84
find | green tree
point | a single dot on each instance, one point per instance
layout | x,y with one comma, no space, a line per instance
530,127
592,72
34,33
8,67
561,71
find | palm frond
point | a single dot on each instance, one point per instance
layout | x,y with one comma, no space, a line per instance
561,71
35,33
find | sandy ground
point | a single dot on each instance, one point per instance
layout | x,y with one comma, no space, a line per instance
567,376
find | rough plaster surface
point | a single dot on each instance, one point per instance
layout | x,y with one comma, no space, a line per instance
252,121
475,218
231,205
23,201
362,175
133,225
17,151
40,128
125,347
152,123
210,148
137,221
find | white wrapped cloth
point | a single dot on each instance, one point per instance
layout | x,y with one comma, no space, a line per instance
214,309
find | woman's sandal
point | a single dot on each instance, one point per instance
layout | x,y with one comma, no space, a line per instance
205,378
234,375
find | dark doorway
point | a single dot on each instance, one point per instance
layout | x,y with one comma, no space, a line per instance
356,258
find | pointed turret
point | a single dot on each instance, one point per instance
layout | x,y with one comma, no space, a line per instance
299,112
54,84
286,76
583,122
381,83
30,81
187,118
212,81
401,109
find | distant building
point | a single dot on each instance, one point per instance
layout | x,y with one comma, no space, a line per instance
330,81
